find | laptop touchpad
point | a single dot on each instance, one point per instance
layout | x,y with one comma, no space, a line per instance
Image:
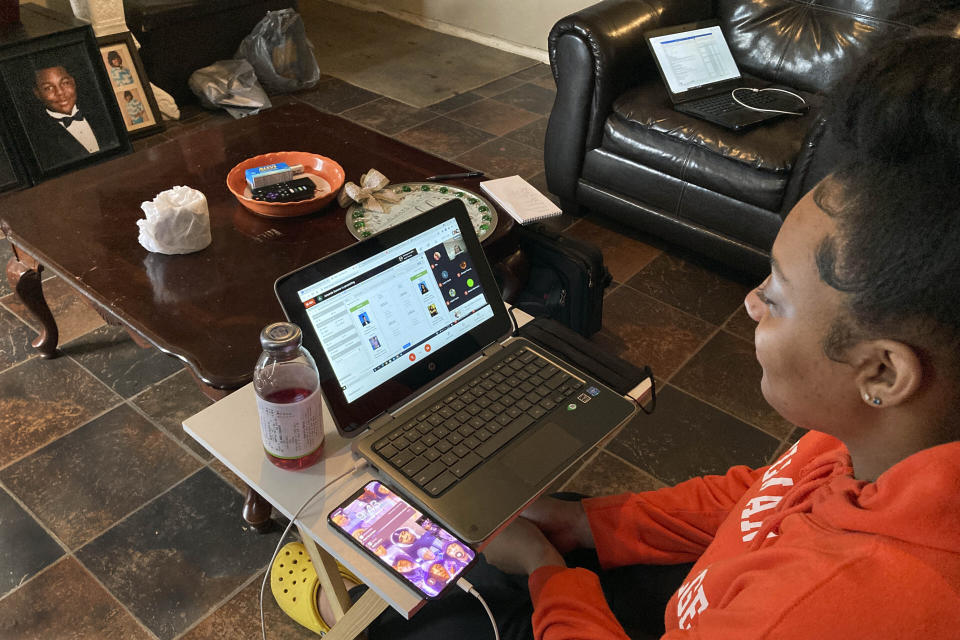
539,454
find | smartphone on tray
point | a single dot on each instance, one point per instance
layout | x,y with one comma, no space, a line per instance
396,534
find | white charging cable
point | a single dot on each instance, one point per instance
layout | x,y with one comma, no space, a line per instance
360,465
466,586
733,94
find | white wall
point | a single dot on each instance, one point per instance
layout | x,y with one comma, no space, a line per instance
520,26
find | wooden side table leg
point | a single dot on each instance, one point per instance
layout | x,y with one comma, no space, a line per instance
351,620
329,574
256,511
23,274
358,618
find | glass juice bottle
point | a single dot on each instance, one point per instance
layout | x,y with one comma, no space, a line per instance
288,398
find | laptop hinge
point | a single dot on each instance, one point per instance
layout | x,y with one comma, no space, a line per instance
492,349
380,420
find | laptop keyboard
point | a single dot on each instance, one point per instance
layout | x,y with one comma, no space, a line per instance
723,102
443,444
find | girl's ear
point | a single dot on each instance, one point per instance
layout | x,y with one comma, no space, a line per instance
889,372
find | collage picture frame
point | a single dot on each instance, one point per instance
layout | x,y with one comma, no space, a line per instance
138,106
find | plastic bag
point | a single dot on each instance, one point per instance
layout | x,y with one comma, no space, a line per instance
231,84
177,221
280,53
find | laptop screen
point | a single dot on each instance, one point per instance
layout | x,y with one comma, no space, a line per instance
693,58
386,317
378,317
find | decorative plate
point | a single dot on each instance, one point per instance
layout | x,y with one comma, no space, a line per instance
417,198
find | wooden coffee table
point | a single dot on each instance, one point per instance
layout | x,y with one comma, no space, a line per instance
205,308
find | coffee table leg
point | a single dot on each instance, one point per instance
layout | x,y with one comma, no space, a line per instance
256,511
23,274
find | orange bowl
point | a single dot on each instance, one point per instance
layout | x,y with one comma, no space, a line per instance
323,171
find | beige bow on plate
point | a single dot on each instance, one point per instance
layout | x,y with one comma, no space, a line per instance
371,192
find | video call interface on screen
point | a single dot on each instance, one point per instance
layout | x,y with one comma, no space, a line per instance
387,312
421,551
694,58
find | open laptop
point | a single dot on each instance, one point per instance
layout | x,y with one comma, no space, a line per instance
699,71
412,340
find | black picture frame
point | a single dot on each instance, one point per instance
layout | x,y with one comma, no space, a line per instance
12,174
66,62
130,84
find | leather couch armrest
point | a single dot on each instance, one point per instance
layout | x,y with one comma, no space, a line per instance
596,54
818,157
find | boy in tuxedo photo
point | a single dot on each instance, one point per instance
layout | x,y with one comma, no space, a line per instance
63,115
62,131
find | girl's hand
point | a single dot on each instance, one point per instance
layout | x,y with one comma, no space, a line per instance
522,548
563,522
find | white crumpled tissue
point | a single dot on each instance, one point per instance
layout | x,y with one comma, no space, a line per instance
178,221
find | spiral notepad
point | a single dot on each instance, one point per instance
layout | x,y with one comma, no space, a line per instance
520,199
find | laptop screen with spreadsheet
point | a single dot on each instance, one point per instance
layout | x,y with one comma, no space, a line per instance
693,58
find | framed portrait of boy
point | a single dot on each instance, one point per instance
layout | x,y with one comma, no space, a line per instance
62,111
130,84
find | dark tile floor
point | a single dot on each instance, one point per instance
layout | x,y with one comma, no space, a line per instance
117,525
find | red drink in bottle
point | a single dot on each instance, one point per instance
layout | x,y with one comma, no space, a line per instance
288,399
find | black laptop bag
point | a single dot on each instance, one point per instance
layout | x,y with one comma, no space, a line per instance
566,281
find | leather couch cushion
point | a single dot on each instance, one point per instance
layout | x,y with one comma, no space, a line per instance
752,166
711,212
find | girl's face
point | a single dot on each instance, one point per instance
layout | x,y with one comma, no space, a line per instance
793,310
115,61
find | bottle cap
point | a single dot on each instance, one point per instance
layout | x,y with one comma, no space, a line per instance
281,336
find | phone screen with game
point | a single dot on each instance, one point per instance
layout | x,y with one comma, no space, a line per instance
415,548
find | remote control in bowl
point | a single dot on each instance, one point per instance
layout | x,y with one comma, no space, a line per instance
326,176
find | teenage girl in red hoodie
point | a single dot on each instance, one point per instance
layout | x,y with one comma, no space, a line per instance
855,531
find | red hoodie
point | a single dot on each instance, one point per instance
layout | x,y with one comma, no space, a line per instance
799,549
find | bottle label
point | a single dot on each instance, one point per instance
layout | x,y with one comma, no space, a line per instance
291,430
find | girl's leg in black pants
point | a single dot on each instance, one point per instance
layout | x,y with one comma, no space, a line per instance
637,595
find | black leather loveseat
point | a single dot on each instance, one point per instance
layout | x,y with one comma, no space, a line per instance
616,147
